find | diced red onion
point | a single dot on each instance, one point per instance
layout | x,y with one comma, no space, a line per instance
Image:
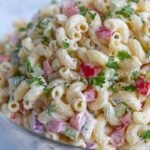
56,126
36,126
47,68
4,58
69,8
104,34
90,95
78,121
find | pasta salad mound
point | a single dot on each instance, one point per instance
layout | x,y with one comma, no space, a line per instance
79,73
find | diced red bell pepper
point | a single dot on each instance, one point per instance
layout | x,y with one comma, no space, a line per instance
143,86
90,70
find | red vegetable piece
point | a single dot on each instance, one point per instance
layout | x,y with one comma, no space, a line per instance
143,86
47,68
89,70
70,8
78,121
90,95
104,34
4,58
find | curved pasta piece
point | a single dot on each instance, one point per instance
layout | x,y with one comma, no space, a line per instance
77,89
21,91
97,57
101,100
136,49
67,74
34,93
132,134
37,52
76,25
66,60
56,82
143,117
129,99
61,38
118,25
109,113
102,5
99,134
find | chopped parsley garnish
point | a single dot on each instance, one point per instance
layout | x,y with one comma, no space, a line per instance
130,88
45,40
81,80
122,55
83,10
126,11
28,66
112,63
67,85
98,81
51,32
105,16
47,91
135,1
65,44
146,135
51,109
135,75
114,89
148,55
92,15
43,23
71,133
36,80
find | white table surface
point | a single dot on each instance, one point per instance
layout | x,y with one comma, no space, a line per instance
11,10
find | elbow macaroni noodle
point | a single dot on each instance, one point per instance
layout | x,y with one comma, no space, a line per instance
79,73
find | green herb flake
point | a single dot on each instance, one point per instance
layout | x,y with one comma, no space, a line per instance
42,23
114,89
146,135
148,55
51,109
106,16
71,133
135,75
45,40
36,80
112,63
135,1
67,85
130,88
47,91
126,11
92,15
122,55
28,66
51,32
98,81
66,45
83,10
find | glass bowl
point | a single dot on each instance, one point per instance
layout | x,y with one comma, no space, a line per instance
13,136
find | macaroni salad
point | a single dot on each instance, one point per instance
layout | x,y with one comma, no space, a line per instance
79,73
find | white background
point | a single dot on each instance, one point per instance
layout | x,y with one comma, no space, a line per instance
11,10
